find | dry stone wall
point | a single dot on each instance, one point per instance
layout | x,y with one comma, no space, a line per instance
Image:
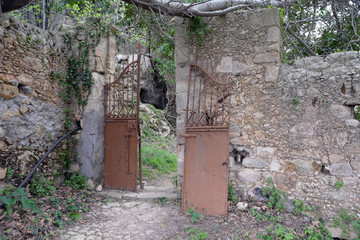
295,124
31,114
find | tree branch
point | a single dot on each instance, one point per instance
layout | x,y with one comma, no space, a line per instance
301,41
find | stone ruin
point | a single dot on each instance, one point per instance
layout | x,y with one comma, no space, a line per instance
293,123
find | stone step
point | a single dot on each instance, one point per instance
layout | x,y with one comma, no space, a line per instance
149,193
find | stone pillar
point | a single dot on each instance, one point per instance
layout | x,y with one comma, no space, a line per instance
91,139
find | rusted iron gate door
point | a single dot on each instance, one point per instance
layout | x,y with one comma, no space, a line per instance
205,184
122,129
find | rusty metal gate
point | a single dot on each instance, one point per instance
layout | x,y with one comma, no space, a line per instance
122,128
205,183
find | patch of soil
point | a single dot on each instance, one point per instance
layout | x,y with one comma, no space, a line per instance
58,210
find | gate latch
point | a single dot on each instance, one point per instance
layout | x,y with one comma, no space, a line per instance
187,135
226,162
131,126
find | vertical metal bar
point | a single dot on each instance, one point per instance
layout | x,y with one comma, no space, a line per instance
188,97
194,92
138,115
43,14
199,102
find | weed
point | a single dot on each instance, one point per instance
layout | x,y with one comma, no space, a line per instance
295,101
338,184
8,190
194,215
42,187
162,200
232,193
58,219
347,223
300,206
77,181
75,216
19,196
196,234
9,173
317,232
276,200
357,112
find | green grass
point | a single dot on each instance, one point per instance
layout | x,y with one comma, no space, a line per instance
158,159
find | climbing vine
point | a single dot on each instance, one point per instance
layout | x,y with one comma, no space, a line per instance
197,29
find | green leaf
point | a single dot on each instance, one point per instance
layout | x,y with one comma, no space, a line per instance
30,204
75,216
20,192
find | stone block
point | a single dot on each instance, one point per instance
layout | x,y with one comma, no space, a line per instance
355,164
339,111
225,65
265,17
311,63
271,73
306,167
303,128
2,132
31,63
333,158
255,163
285,182
8,91
248,175
273,34
275,47
341,57
275,165
341,169
239,67
271,57
7,78
265,152
9,114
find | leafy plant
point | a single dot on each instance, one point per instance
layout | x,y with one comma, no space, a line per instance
8,190
276,197
19,196
195,216
232,196
197,29
9,173
317,232
196,234
42,187
300,206
77,181
295,101
338,184
357,112
347,222
75,216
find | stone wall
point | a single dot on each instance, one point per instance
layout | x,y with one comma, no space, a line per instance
295,124
31,112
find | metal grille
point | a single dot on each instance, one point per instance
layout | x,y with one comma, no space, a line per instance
121,97
209,101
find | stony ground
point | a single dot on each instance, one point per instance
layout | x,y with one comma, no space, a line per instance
126,216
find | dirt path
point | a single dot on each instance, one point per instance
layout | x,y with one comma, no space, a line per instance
143,219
